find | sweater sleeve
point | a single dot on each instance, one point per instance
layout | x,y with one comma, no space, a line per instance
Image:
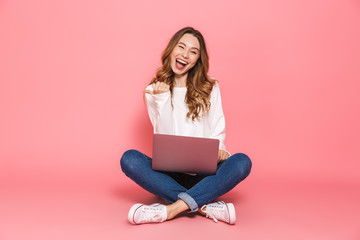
160,111
216,116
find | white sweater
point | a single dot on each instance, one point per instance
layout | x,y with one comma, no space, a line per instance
166,120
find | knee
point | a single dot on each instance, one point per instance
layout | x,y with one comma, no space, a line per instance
128,160
243,164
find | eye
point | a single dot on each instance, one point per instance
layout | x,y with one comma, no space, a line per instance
180,46
193,52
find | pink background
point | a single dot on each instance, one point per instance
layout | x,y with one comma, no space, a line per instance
71,80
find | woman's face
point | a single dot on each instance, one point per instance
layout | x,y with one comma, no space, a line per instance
185,54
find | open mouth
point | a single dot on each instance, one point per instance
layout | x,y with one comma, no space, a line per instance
180,64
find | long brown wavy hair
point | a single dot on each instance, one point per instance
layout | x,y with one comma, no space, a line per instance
199,84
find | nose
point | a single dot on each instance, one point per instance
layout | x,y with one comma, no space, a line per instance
185,54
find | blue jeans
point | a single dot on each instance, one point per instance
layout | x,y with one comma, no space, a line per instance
195,191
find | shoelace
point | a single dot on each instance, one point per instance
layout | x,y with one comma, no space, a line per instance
213,214
152,212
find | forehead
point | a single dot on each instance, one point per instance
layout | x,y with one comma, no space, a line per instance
190,41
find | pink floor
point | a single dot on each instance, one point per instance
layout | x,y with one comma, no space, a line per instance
96,206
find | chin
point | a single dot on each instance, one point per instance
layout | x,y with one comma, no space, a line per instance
180,73
177,72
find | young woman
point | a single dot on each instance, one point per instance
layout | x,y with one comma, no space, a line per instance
183,100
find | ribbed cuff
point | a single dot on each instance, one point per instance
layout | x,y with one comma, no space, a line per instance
161,96
189,201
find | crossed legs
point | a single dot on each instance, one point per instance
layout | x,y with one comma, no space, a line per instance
201,191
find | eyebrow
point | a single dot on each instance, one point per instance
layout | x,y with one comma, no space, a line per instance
191,48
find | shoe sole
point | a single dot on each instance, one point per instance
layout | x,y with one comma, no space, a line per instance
132,212
232,215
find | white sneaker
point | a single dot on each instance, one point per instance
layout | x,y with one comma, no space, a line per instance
140,213
220,211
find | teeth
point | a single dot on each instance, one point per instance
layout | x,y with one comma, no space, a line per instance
180,61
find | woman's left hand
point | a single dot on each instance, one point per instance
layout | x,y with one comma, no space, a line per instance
222,155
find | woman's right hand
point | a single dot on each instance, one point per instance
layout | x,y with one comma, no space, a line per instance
159,87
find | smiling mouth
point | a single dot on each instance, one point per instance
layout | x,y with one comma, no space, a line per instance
180,64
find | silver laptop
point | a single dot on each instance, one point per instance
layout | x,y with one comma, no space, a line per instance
185,154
